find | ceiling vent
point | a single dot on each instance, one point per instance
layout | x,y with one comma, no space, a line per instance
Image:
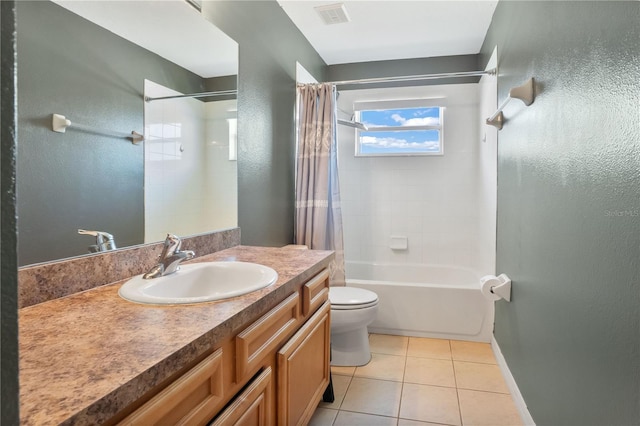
333,13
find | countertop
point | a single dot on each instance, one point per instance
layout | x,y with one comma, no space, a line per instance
85,357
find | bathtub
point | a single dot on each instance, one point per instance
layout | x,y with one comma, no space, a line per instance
425,300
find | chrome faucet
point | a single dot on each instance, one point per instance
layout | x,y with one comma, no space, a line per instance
170,258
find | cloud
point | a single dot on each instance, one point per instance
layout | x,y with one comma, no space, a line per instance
418,121
399,144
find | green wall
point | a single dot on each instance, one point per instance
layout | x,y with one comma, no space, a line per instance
9,390
269,46
569,208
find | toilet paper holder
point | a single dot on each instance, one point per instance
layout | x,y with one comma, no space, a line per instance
499,287
504,288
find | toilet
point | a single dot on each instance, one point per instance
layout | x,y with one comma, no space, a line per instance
352,310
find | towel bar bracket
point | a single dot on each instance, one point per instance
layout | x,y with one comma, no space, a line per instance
59,124
524,92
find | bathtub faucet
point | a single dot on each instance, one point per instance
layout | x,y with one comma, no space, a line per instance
170,258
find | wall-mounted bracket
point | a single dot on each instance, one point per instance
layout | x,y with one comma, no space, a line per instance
497,121
60,123
524,92
504,288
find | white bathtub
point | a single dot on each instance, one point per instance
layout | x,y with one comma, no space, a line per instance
425,300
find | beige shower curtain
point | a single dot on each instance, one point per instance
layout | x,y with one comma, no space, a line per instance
318,214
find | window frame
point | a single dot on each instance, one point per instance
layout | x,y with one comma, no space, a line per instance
400,104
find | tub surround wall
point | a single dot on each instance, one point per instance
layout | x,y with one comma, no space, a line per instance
221,172
569,209
430,199
487,172
47,281
189,182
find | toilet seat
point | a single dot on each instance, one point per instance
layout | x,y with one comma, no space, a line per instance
348,298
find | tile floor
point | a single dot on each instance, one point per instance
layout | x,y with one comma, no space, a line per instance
413,381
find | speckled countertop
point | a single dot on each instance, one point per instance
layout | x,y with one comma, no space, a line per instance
85,357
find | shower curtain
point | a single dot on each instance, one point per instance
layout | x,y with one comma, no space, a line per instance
318,214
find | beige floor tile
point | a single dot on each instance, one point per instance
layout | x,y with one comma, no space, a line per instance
343,371
472,352
482,377
371,396
340,385
323,417
347,418
383,367
428,371
486,408
387,344
430,404
405,422
429,348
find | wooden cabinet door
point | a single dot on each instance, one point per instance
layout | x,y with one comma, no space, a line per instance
252,407
265,335
303,370
191,400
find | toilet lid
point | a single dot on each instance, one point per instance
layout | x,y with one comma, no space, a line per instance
351,298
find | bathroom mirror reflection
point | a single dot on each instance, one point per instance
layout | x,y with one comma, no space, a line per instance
94,62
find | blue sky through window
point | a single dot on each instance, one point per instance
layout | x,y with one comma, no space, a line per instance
393,131
401,117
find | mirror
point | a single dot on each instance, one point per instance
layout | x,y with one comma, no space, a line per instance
93,62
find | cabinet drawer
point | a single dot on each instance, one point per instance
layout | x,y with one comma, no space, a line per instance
265,335
252,407
191,400
315,292
303,369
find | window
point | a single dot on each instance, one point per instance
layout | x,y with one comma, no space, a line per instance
399,130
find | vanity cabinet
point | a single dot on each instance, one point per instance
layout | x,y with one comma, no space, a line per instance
192,399
303,370
253,407
273,371
265,335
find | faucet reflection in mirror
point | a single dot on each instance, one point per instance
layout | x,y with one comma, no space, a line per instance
170,258
104,241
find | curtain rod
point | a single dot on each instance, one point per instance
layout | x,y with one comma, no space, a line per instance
414,77
194,95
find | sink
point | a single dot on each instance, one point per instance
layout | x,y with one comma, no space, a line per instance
199,282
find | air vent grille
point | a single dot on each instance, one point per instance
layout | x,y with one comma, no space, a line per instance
333,13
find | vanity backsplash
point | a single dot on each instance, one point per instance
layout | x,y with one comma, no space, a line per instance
51,280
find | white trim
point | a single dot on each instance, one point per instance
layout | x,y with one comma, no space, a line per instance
521,405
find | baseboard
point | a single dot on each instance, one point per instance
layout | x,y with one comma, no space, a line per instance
511,384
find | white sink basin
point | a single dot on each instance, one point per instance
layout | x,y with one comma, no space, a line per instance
199,282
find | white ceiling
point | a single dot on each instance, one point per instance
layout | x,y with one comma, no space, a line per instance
170,28
378,30
392,29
